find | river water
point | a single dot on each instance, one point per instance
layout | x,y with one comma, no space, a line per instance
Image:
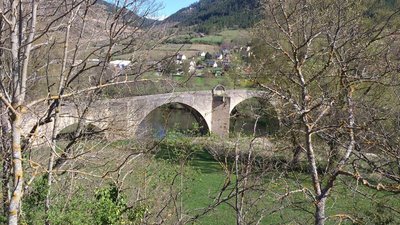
250,118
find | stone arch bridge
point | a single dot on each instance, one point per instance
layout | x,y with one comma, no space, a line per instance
120,118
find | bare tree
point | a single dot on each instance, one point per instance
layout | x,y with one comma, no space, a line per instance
50,50
329,62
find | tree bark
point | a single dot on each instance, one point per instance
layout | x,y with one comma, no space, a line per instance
17,171
320,211
5,152
16,119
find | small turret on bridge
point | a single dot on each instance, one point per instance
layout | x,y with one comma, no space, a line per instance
121,118
220,111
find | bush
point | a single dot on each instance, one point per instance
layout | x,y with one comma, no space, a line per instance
106,206
177,148
109,206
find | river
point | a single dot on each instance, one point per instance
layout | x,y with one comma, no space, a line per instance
247,119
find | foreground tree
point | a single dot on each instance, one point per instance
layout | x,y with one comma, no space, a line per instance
335,66
50,51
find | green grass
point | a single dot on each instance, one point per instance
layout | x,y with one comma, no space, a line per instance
200,194
238,37
206,177
203,177
208,83
209,40
345,199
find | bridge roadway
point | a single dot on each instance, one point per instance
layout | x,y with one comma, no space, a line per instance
121,117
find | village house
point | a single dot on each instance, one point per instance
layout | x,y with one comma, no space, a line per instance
192,66
226,52
180,58
210,63
120,64
219,56
200,67
208,56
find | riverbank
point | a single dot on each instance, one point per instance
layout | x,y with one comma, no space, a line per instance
195,181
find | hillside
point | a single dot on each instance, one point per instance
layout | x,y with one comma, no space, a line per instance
130,15
213,15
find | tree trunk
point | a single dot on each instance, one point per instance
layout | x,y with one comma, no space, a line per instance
320,211
311,157
6,156
16,118
17,171
237,196
296,152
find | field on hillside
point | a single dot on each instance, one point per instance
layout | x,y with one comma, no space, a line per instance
168,50
233,37
191,46
210,40
236,37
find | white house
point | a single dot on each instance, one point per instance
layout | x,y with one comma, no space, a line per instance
192,69
181,57
121,64
219,56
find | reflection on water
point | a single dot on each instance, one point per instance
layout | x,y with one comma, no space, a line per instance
251,117
262,126
173,117
254,117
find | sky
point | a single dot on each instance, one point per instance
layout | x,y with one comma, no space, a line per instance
171,6
168,7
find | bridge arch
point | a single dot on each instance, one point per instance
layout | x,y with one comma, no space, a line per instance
64,122
238,96
145,125
254,113
68,125
89,130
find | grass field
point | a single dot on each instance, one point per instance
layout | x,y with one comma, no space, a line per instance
209,43
236,37
348,203
209,40
195,184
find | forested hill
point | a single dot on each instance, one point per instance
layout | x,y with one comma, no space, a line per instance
212,15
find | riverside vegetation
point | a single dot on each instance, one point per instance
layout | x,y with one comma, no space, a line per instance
327,154
181,178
